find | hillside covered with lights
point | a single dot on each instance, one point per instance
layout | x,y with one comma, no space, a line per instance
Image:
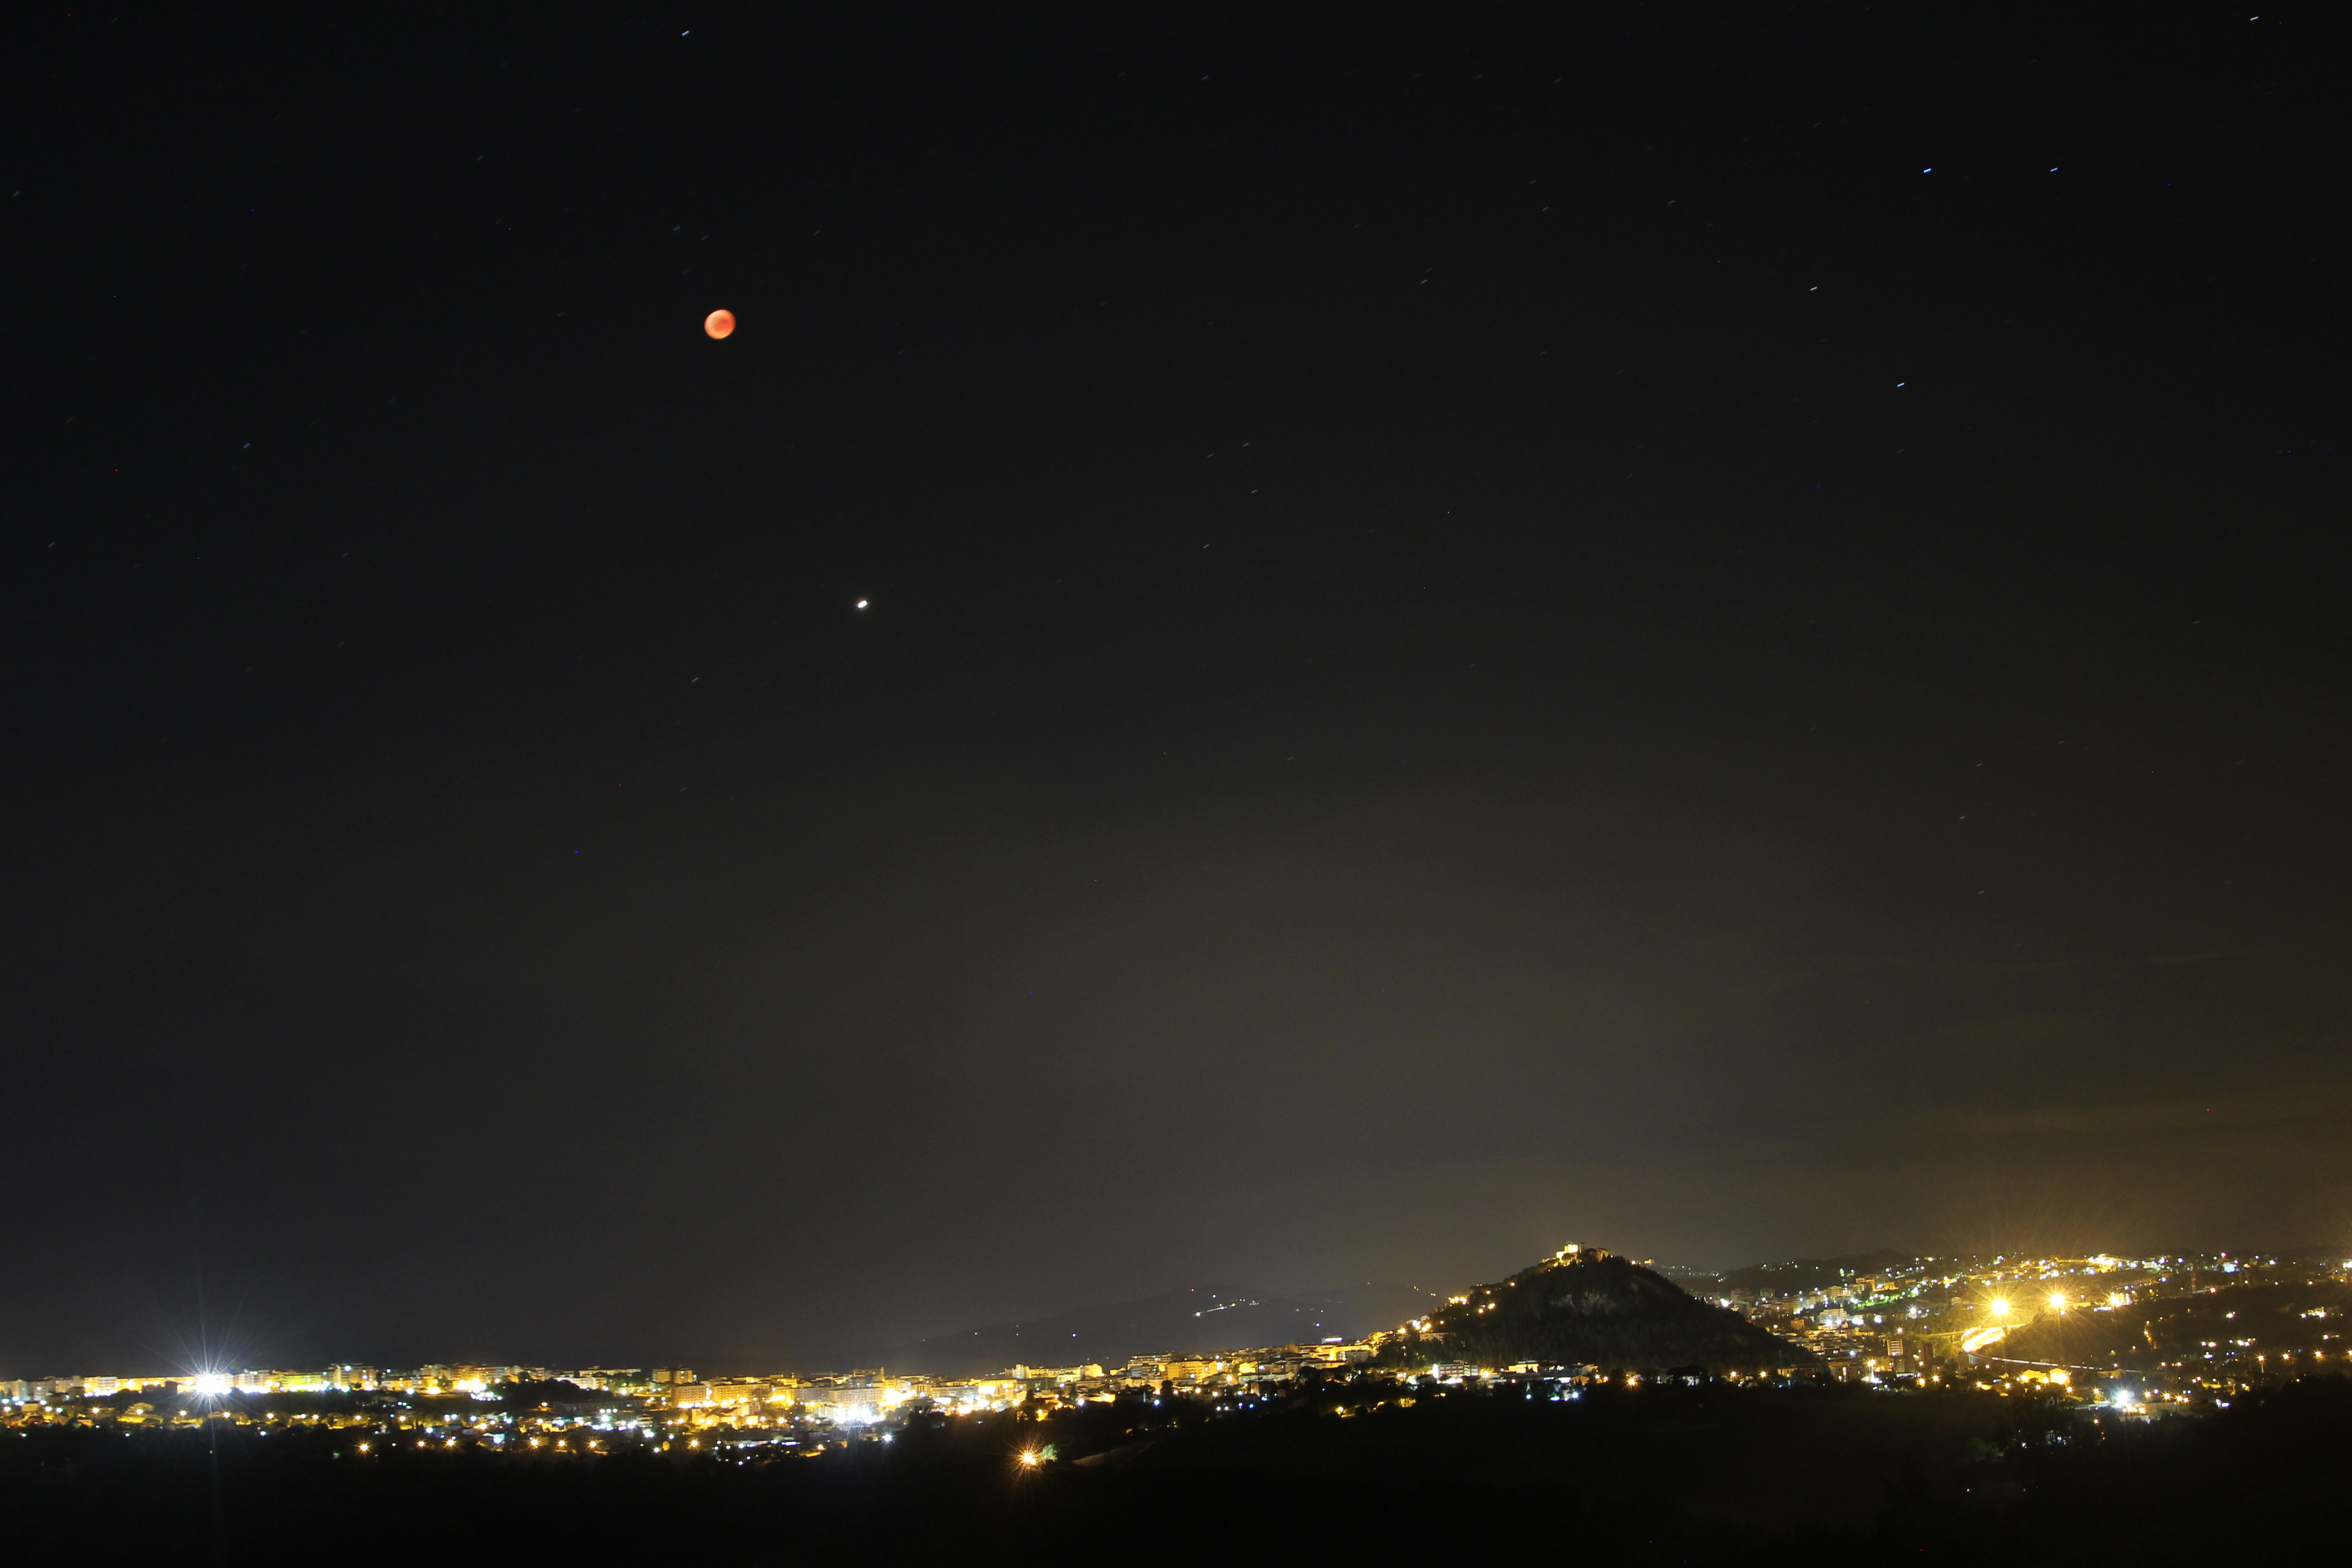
1585,1306
2289,1323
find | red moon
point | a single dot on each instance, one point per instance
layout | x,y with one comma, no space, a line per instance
718,323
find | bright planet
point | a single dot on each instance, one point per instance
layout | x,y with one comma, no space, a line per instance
718,323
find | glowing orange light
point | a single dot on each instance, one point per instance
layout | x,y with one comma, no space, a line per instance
718,323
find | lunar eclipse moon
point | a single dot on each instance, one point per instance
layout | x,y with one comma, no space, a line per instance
718,323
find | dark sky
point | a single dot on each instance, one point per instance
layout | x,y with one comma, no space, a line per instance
1716,632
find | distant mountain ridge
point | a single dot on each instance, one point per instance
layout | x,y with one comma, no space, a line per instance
1585,1306
1808,1273
1183,1322
1581,1306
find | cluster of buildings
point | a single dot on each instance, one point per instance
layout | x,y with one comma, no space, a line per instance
1931,1321
865,1396
348,1377
458,1404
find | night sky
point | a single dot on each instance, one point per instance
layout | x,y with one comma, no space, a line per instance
1720,633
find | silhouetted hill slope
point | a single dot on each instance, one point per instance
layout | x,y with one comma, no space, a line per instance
1590,1306
1179,1320
1352,1474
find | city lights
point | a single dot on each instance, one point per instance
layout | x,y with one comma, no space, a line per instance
1907,1327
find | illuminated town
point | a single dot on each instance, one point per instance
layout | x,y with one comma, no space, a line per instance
2132,1339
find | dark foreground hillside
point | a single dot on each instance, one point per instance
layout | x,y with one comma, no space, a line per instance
1648,1475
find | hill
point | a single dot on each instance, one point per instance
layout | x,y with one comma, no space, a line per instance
1585,1305
2290,1325
1184,1321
